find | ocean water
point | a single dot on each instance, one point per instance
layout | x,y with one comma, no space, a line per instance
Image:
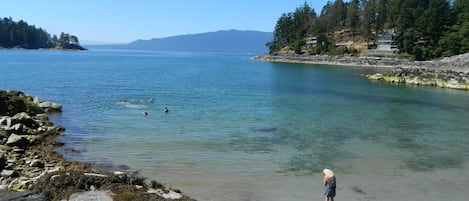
239,129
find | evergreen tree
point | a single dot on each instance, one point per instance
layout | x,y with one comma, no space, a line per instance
381,15
353,15
292,28
455,39
21,35
425,29
339,14
369,20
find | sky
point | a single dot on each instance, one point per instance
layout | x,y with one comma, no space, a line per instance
124,21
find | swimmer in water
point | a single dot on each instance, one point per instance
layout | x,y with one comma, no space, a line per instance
165,110
124,102
145,113
151,100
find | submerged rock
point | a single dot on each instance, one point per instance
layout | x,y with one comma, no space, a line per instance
264,129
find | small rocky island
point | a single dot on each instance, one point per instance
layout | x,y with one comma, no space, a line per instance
21,35
32,170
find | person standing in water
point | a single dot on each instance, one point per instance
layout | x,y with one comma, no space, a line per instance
329,182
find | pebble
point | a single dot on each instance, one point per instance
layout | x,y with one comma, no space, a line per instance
36,163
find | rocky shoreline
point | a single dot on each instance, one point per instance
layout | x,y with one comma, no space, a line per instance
450,72
424,77
32,170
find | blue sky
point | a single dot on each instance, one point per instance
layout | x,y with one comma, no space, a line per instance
123,21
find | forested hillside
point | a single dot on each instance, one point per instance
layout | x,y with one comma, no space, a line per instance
21,35
423,29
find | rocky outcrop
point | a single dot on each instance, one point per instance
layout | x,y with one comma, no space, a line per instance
458,63
24,127
13,102
30,169
449,72
333,60
424,77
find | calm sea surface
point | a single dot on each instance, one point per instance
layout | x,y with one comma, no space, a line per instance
247,130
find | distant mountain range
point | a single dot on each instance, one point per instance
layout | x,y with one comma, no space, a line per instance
234,41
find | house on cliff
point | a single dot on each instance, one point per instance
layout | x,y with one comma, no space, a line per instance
385,45
311,41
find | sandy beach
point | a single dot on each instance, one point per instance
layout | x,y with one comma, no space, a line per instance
380,177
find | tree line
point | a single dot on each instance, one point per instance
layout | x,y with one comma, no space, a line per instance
21,35
423,29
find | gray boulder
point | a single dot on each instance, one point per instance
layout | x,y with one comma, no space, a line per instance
6,121
36,163
17,140
25,119
50,106
91,196
9,173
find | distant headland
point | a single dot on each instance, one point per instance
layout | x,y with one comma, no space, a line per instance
21,35
228,41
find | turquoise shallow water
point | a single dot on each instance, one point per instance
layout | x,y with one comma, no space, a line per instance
240,129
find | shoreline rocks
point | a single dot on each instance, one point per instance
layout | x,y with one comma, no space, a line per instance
30,169
424,77
450,72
